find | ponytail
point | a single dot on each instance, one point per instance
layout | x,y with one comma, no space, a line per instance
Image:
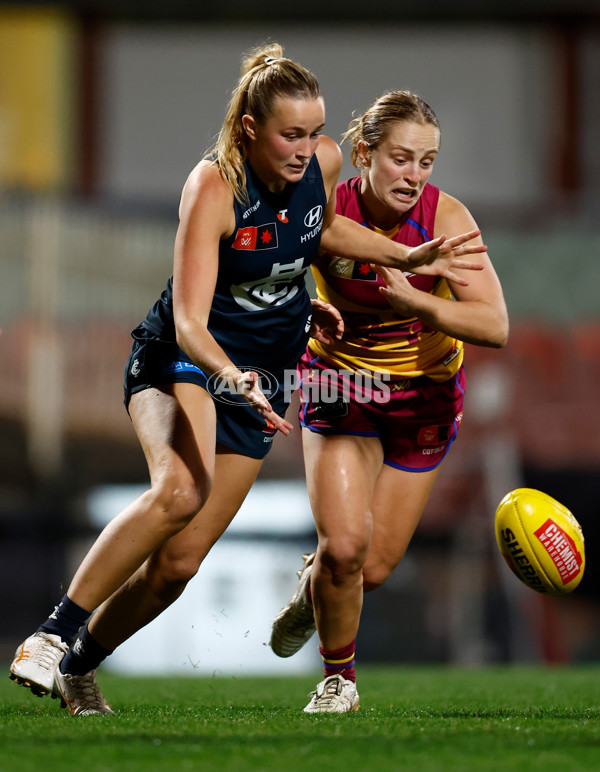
266,74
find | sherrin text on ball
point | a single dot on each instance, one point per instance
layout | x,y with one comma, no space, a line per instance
541,541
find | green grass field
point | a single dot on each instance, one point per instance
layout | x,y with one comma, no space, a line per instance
435,719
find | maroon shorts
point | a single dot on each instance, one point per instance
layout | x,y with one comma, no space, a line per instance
416,419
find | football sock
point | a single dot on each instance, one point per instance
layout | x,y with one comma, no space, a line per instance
340,661
65,621
85,655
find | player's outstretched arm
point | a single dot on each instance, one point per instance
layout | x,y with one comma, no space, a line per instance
477,314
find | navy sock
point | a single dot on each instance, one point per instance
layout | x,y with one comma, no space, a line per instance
84,656
65,621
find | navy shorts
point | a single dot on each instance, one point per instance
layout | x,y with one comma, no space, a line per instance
154,362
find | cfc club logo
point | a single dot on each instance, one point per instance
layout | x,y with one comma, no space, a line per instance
284,283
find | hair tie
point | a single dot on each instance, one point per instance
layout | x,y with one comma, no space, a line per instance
274,59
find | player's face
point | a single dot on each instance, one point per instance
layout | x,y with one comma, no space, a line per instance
397,170
280,149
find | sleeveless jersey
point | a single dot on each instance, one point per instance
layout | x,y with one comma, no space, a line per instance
261,311
376,337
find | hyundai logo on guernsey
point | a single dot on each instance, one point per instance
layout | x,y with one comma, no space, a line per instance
313,220
255,237
314,216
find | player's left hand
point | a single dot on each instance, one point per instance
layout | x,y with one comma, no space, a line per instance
442,257
326,324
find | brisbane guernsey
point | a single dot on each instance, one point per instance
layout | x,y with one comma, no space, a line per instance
376,337
261,311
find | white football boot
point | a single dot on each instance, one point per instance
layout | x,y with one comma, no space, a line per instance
36,660
335,694
81,694
295,623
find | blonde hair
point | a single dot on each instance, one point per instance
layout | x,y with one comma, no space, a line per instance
265,75
391,108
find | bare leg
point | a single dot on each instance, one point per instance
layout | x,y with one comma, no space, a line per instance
397,505
341,472
366,513
176,427
164,576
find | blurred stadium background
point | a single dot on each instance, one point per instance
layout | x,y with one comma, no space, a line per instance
104,109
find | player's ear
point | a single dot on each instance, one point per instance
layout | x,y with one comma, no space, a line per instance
249,125
364,152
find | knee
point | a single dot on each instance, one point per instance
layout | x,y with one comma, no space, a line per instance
374,577
344,556
178,500
377,571
169,572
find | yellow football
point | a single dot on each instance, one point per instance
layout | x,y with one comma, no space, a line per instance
541,541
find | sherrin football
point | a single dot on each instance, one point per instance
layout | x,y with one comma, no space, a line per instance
541,541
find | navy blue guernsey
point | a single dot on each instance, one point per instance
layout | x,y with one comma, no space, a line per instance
261,310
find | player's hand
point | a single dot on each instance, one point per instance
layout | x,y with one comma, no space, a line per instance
398,291
248,386
326,324
442,257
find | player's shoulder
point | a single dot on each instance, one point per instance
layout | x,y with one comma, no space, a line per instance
450,205
329,155
205,183
452,216
206,175
350,185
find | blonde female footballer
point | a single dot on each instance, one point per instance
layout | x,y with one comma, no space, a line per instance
372,455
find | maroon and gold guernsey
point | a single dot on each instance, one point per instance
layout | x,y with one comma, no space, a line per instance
376,337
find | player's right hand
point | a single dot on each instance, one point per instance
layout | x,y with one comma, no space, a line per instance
248,386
